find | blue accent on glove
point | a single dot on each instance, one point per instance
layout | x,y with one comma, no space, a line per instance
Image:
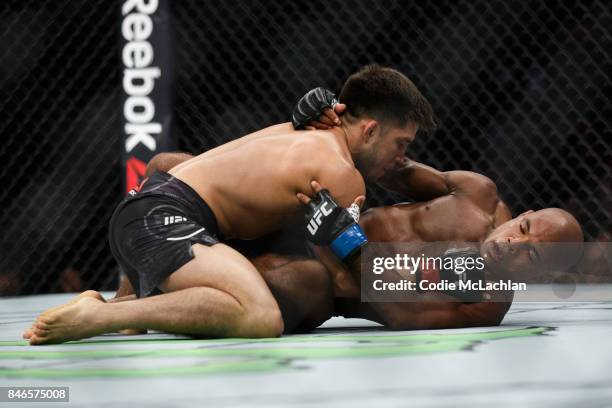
348,241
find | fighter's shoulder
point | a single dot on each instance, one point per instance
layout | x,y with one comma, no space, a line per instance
476,187
343,171
332,161
323,160
318,148
315,141
469,181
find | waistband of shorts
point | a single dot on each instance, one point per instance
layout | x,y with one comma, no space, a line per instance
161,183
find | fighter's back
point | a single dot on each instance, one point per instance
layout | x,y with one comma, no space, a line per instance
251,183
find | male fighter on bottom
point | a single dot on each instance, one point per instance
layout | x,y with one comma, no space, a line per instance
169,236
454,206
457,206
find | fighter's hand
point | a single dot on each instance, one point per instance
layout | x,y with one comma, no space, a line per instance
316,187
328,224
329,118
316,109
304,199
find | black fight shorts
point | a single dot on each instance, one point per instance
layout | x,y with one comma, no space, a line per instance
151,231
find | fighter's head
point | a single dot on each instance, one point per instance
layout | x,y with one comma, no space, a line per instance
384,112
524,245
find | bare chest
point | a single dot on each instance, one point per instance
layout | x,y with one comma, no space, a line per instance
439,221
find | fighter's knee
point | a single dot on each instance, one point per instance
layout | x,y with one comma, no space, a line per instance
273,323
261,321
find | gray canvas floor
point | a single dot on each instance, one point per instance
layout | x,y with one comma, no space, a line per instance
544,354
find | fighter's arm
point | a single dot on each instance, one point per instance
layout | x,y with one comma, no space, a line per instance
442,315
311,161
430,313
424,312
420,182
343,182
426,315
416,181
452,315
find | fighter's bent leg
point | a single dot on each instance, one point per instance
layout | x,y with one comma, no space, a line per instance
219,293
253,311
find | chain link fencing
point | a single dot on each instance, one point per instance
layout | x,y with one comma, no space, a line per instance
520,89
59,147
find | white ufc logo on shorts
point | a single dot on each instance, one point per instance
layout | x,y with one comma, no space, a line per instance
315,221
174,219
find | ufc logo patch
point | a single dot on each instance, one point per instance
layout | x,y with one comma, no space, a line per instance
315,221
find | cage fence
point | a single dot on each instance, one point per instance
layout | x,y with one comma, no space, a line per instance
520,90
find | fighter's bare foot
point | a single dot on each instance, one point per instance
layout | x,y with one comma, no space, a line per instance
71,322
88,293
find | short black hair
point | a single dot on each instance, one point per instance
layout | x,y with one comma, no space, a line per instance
388,96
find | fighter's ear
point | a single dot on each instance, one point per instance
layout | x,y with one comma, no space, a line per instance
525,213
369,129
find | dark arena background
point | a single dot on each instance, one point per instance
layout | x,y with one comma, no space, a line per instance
520,90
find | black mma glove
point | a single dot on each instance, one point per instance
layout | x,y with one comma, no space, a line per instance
311,106
328,224
457,256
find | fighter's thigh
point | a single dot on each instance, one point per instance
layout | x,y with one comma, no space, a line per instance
220,267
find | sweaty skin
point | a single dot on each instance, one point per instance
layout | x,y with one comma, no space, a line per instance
251,185
459,206
454,206
229,178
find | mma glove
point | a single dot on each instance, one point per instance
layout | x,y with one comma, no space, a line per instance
328,224
311,106
435,275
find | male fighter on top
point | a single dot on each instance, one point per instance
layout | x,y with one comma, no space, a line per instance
168,236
